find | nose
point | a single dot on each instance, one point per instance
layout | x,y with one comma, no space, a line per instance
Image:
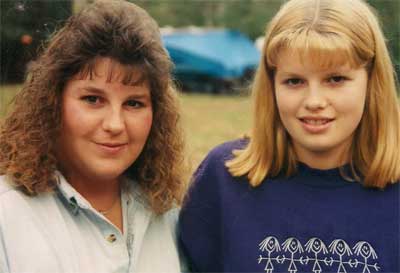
315,98
113,121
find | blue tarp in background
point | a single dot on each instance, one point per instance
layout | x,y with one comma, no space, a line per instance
223,54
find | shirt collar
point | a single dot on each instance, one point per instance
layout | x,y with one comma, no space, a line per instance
131,192
74,199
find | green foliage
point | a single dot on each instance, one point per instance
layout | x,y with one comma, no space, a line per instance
39,18
251,16
24,25
389,15
248,16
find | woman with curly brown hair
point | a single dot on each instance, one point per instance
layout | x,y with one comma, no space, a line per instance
91,153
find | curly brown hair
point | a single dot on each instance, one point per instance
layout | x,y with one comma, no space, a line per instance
128,35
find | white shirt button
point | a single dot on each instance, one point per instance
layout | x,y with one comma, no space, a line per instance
111,238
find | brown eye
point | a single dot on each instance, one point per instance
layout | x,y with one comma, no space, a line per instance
134,103
337,79
91,99
293,82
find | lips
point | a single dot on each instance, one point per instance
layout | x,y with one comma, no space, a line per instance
315,121
316,124
111,145
111,148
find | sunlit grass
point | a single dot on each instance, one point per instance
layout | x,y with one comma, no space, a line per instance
7,92
208,120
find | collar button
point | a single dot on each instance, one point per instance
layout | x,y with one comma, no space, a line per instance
111,238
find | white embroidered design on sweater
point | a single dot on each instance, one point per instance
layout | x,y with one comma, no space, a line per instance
335,258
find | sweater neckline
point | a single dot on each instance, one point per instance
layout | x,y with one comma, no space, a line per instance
303,167
323,177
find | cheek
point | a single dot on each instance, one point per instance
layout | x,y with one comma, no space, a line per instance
76,120
357,99
287,105
140,126
74,126
147,122
352,106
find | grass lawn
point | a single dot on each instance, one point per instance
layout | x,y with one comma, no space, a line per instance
208,120
6,94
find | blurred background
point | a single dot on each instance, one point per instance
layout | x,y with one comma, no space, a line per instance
213,44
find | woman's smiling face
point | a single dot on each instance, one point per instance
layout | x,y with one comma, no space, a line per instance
105,124
320,109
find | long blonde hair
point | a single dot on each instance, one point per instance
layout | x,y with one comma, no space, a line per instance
329,33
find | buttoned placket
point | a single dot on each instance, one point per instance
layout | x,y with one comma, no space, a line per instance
110,232
128,212
73,204
120,243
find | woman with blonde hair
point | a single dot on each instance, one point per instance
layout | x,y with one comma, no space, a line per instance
91,153
319,172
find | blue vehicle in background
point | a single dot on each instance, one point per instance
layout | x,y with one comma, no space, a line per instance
211,60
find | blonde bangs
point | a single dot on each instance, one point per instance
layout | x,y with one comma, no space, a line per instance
323,50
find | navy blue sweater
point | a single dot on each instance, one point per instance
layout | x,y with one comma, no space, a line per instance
314,221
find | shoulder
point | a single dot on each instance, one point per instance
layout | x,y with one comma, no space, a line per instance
392,188
171,217
216,158
11,200
6,186
212,175
14,202
11,196
224,151
163,225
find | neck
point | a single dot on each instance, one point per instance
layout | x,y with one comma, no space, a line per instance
323,160
101,194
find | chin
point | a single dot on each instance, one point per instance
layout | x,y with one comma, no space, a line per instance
320,149
106,176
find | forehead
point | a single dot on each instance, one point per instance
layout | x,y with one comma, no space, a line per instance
290,60
112,71
321,50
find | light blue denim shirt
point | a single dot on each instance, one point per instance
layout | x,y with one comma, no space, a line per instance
61,232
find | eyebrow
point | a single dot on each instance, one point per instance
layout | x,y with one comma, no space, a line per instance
138,94
93,89
290,74
328,72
